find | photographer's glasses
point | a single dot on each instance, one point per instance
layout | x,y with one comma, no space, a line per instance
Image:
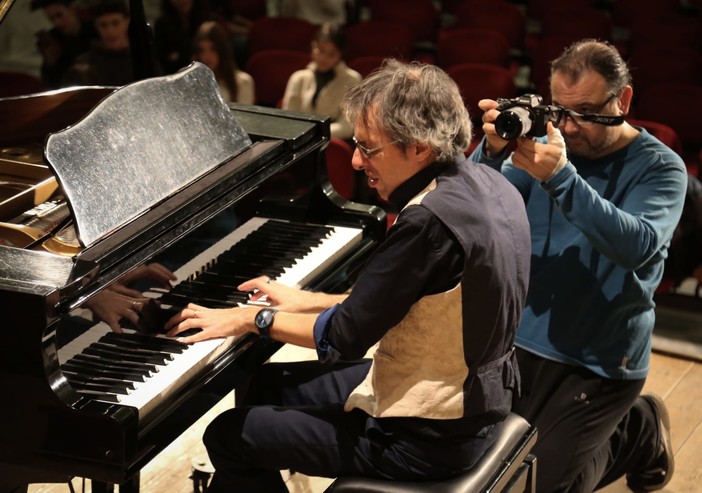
368,153
588,119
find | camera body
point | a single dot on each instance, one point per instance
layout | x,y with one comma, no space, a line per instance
524,116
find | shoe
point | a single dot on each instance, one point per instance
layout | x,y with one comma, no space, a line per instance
661,470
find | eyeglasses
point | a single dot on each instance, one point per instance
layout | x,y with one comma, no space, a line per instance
588,119
368,153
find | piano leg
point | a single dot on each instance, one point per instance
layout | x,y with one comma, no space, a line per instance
131,486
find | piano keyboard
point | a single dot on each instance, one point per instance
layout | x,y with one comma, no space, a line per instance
142,371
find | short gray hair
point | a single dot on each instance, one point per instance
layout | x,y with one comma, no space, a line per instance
413,103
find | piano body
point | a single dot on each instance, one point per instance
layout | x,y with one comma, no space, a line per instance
164,171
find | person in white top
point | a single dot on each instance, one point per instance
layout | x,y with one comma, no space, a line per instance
213,48
319,88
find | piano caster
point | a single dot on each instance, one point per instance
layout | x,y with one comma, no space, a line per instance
201,473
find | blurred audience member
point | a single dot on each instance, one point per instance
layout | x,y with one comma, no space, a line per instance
319,12
237,27
320,87
18,42
108,62
175,29
685,251
213,48
68,38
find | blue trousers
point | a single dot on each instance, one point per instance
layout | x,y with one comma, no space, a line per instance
293,418
592,430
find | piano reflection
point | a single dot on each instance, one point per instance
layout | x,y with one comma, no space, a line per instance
160,171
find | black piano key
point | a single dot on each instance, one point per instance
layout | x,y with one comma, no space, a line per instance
251,266
93,394
79,379
98,367
216,303
120,354
123,347
107,389
298,229
252,260
268,251
270,245
201,293
182,299
145,341
265,246
126,350
249,271
220,281
205,290
210,277
92,356
97,371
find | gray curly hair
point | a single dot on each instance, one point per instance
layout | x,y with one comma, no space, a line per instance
413,103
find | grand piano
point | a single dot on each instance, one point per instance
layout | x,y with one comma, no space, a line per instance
158,171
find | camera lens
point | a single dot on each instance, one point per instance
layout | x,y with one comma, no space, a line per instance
513,123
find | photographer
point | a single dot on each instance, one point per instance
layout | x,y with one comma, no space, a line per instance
603,199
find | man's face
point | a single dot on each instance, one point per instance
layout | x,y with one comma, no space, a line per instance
587,95
387,166
114,31
64,18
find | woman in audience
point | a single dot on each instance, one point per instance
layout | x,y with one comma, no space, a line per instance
213,48
174,31
320,87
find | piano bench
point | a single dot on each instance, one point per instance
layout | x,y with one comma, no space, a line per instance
507,466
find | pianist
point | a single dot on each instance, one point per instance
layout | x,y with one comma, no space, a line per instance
441,297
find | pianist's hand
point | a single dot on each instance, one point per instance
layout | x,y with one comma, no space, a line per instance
153,272
213,322
288,299
116,304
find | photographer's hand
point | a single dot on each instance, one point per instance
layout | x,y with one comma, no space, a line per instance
540,160
494,144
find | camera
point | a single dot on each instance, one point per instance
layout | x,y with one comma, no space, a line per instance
524,115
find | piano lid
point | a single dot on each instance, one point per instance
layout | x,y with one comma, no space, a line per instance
140,145
41,272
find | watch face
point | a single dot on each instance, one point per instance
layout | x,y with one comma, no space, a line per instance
263,321
264,318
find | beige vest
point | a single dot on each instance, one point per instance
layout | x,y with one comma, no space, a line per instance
419,367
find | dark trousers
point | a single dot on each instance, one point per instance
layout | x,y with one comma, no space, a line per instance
293,418
591,430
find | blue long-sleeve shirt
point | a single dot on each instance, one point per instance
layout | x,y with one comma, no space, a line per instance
600,232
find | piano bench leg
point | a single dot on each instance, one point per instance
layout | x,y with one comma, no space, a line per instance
200,481
201,473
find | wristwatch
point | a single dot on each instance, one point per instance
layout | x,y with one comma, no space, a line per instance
263,322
